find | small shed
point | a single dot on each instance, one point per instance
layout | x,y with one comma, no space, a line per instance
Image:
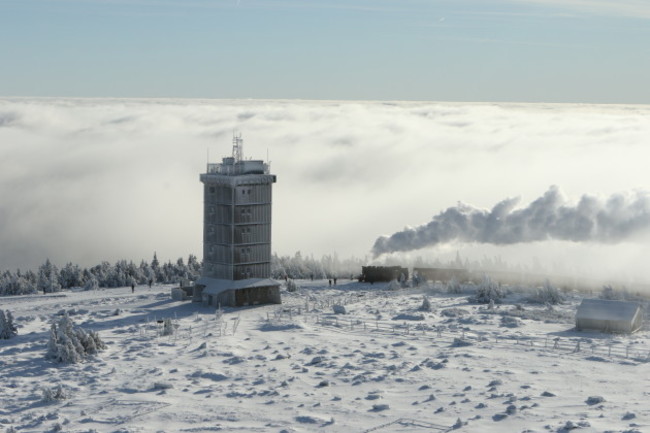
609,316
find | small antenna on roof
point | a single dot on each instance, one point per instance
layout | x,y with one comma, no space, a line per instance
237,147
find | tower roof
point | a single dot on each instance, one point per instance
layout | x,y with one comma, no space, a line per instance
236,165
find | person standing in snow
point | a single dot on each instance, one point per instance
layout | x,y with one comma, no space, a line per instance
132,288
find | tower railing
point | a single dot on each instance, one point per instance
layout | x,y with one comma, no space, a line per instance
242,167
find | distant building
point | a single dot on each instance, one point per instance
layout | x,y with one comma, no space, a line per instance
609,316
237,233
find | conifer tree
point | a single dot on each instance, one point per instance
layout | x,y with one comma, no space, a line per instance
7,326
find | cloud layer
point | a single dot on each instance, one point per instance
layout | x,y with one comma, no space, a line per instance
619,218
86,180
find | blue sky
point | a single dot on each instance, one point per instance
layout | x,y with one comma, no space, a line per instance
531,51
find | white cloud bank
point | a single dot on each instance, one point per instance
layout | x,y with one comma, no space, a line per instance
90,180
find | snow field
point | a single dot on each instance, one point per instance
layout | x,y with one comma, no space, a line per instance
384,365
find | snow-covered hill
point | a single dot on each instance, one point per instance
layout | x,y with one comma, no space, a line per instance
386,365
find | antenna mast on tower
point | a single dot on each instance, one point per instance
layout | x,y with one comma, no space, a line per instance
237,147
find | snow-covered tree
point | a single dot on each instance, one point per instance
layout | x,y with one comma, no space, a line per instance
18,283
291,286
91,283
453,286
69,343
7,327
194,266
71,276
48,278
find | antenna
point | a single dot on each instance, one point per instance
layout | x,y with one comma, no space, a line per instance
237,147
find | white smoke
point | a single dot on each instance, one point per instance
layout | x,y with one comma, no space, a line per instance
618,218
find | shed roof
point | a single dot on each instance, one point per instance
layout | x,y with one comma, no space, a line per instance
603,309
214,286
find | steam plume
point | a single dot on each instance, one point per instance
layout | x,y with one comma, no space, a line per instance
616,219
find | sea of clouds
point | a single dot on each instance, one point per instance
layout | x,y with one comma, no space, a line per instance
86,180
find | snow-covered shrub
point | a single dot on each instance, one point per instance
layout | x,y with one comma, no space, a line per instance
291,286
611,293
69,343
459,342
510,322
7,327
547,294
56,393
339,309
426,304
394,285
454,312
594,399
489,291
453,286
407,316
161,386
168,327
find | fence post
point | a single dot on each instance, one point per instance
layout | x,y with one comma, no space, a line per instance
577,348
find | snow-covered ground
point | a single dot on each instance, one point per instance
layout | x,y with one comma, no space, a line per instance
384,366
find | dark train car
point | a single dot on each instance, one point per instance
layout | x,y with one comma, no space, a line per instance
371,274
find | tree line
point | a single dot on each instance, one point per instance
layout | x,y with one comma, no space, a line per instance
50,279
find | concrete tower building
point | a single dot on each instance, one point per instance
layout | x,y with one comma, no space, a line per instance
237,232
